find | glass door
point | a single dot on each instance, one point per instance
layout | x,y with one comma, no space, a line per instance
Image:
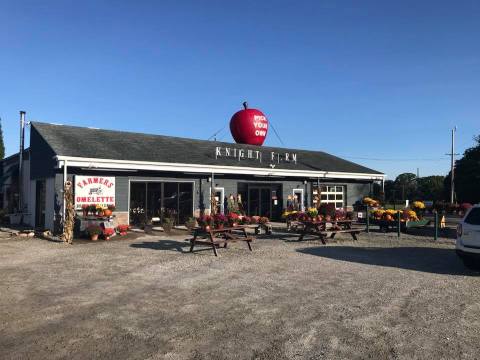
259,201
266,203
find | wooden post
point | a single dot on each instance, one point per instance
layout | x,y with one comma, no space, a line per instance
368,219
399,224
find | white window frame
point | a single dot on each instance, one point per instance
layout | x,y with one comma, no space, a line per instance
302,198
222,204
335,193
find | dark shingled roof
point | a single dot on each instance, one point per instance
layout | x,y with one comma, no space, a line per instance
119,145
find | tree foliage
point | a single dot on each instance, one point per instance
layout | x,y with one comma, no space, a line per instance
467,175
408,186
430,188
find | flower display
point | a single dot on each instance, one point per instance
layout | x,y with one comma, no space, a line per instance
312,212
123,228
219,220
290,215
233,219
263,220
392,215
370,202
418,205
205,221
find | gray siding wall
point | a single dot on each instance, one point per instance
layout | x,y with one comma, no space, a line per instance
42,163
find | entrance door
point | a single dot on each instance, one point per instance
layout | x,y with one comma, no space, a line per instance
298,199
40,189
260,201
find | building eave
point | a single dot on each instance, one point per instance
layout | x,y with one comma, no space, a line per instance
94,163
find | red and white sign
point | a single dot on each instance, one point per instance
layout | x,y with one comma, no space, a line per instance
94,190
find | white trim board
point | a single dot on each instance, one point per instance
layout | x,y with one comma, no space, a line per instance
114,164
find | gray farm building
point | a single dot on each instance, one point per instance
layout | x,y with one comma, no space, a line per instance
144,175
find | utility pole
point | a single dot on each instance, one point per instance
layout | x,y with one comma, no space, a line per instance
452,167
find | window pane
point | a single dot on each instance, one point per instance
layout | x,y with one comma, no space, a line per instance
323,197
186,202
339,205
323,189
473,217
331,189
137,203
331,197
170,200
339,188
339,197
154,199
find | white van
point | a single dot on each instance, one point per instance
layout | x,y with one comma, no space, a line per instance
468,238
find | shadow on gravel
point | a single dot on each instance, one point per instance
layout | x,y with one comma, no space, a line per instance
430,260
166,245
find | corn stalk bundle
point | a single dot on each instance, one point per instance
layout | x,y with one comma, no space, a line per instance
69,213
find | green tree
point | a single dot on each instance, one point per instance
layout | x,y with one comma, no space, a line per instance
406,185
389,190
430,188
2,146
467,175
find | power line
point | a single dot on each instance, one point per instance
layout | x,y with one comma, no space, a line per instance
217,132
275,131
395,159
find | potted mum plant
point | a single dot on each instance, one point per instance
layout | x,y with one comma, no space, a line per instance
94,231
122,229
107,233
190,223
205,222
220,220
148,226
109,210
167,225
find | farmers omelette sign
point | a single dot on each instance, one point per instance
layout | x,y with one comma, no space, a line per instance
94,190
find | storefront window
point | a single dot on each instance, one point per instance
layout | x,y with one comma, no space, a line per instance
156,200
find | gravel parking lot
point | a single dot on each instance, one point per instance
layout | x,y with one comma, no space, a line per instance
149,298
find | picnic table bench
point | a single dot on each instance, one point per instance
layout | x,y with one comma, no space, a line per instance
216,237
321,229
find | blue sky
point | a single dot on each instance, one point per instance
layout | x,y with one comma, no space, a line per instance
359,79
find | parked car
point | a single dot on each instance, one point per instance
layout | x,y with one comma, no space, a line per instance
468,238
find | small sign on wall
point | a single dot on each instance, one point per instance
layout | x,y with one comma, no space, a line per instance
94,190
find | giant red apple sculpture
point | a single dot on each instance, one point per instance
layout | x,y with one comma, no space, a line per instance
249,126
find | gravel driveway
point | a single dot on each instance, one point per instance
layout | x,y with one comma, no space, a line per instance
149,298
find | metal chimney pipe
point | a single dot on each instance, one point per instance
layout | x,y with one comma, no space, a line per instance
20,161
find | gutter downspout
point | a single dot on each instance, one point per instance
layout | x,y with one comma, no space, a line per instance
63,190
20,163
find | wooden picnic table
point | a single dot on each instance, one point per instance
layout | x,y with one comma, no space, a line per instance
215,237
321,229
